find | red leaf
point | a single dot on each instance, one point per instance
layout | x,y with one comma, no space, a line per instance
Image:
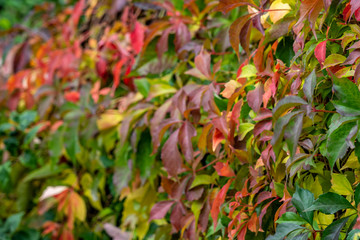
202,62
262,126
218,201
170,155
137,37
162,44
255,98
182,35
308,9
223,169
159,210
355,5
186,133
72,96
320,52
357,15
346,12
101,68
245,36
176,216
116,73
217,138
77,12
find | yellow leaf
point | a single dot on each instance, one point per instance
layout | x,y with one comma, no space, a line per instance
230,88
78,206
341,185
324,219
278,10
352,162
109,119
248,71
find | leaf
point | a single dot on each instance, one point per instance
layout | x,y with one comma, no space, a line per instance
320,51
283,230
230,88
223,169
52,191
355,5
354,235
234,32
255,98
353,56
333,60
218,201
137,37
279,130
13,222
278,10
78,206
348,103
144,158
284,50
341,185
290,217
72,96
292,133
186,133
202,62
309,9
309,86
159,210
303,199
116,233
201,179
357,195
226,6
332,231
336,142
248,71
330,203
170,155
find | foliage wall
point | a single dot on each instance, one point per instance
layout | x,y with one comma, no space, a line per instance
183,119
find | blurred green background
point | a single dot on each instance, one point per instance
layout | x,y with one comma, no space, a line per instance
14,12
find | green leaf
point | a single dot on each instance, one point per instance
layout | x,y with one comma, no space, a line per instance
283,230
31,134
13,222
354,235
292,133
348,94
303,199
291,217
336,143
143,86
284,50
144,158
334,59
357,195
201,179
221,103
330,203
333,230
5,179
286,103
44,172
279,130
309,86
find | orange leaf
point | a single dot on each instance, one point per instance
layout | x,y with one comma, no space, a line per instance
234,32
218,201
223,169
72,96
